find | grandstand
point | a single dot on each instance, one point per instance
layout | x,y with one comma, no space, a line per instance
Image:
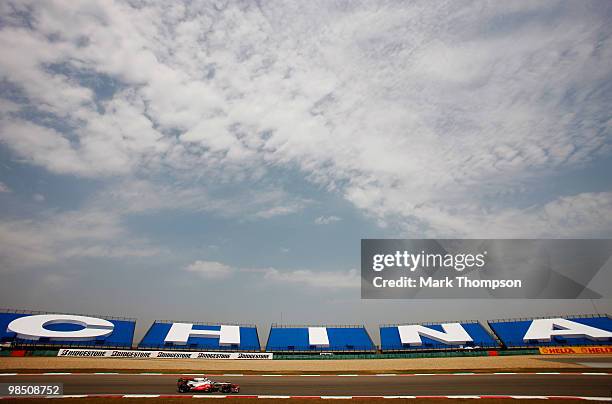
435,336
121,336
319,338
171,335
513,333
31,330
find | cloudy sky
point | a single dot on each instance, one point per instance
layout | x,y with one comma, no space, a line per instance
221,160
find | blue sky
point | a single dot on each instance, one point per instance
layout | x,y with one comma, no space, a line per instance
222,160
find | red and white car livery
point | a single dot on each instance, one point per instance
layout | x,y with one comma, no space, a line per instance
205,385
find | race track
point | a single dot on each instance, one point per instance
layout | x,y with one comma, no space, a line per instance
574,384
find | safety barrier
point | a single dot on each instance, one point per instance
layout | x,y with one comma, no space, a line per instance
409,355
406,355
23,352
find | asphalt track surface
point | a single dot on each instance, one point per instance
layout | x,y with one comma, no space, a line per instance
569,384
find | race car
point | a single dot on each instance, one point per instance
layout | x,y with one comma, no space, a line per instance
205,385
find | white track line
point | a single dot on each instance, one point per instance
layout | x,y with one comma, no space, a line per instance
141,395
464,396
307,375
208,396
275,397
323,397
69,396
336,397
391,397
530,397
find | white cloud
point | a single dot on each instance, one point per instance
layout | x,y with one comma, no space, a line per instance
313,279
316,279
327,219
43,146
210,269
410,112
133,196
279,211
99,230
582,215
4,188
56,237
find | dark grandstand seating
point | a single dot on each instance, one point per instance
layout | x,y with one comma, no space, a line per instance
296,339
511,332
390,339
154,339
121,337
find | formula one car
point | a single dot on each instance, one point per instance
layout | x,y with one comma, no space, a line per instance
205,385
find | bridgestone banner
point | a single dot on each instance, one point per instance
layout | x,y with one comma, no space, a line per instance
110,353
